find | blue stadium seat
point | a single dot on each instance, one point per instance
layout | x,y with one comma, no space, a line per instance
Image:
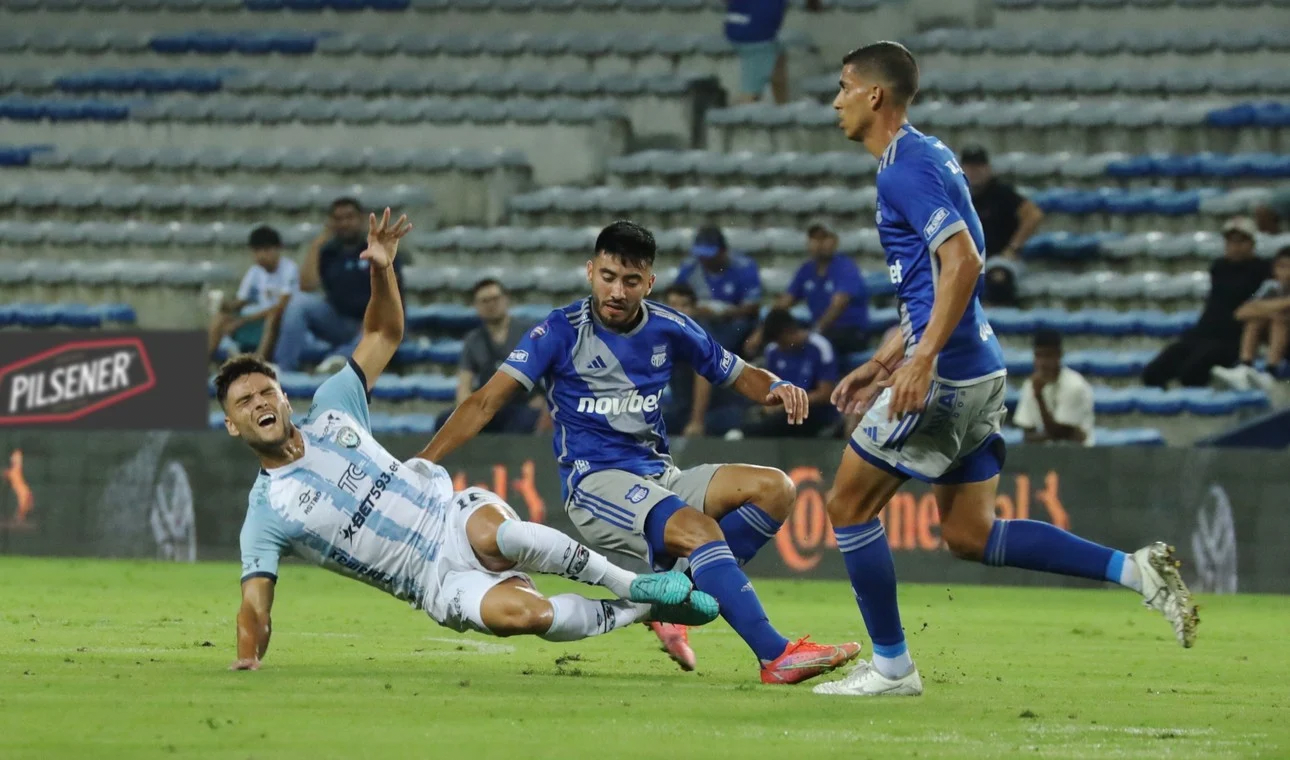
1128,437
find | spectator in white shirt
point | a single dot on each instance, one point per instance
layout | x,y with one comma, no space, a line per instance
250,319
1056,402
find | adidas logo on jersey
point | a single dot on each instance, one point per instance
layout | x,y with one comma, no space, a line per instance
597,363
631,403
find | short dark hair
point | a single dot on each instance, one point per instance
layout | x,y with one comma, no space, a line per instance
1284,253
628,242
486,283
683,290
820,230
778,322
1047,338
240,366
346,201
264,236
892,64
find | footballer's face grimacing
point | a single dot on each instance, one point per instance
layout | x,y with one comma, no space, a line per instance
257,411
617,289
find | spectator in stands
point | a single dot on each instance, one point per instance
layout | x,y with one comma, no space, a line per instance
1056,403
1265,317
1271,214
335,287
251,319
1216,338
1008,220
752,27
693,408
807,360
484,349
834,292
728,285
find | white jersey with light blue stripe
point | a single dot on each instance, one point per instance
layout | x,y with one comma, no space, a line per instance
347,504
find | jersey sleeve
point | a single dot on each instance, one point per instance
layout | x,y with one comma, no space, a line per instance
346,391
536,353
916,189
1027,414
246,288
264,537
828,359
849,280
695,346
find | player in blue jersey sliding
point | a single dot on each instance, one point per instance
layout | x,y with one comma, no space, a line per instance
603,363
330,494
934,392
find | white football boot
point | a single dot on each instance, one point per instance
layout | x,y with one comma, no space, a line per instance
1163,590
865,681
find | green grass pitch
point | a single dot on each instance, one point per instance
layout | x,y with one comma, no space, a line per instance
128,660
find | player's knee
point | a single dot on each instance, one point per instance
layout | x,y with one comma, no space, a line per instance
481,531
688,529
776,493
845,509
966,540
518,617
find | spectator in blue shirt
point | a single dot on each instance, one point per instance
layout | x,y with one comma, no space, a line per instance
335,287
834,291
752,27
728,285
807,360
694,407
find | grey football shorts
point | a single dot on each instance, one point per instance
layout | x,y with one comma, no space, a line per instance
955,439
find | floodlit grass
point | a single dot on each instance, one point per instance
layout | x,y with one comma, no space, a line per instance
115,659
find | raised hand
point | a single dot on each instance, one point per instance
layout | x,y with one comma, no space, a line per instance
857,390
383,240
796,404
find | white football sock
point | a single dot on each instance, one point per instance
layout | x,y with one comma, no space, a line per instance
1129,575
539,549
576,617
894,667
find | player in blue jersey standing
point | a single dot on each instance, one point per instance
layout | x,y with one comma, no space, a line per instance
330,494
603,363
936,417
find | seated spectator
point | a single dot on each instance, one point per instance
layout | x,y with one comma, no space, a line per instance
834,292
1215,341
1265,317
695,408
1008,220
807,360
250,320
484,349
728,285
335,286
1056,403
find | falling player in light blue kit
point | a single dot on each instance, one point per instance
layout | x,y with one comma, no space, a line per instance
938,415
329,493
604,362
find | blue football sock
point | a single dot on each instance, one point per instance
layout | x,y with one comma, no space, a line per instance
716,572
1035,545
747,530
873,579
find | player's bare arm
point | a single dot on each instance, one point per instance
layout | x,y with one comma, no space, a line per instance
960,267
762,387
471,416
383,320
253,623
858,389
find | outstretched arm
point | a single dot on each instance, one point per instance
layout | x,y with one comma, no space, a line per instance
762,387
253,623
383,320
471,416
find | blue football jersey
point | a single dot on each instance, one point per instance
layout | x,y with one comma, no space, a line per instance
604,387
739,283
923,199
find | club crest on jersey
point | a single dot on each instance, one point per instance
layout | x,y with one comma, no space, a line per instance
347,437
637,494
539,331
660,356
